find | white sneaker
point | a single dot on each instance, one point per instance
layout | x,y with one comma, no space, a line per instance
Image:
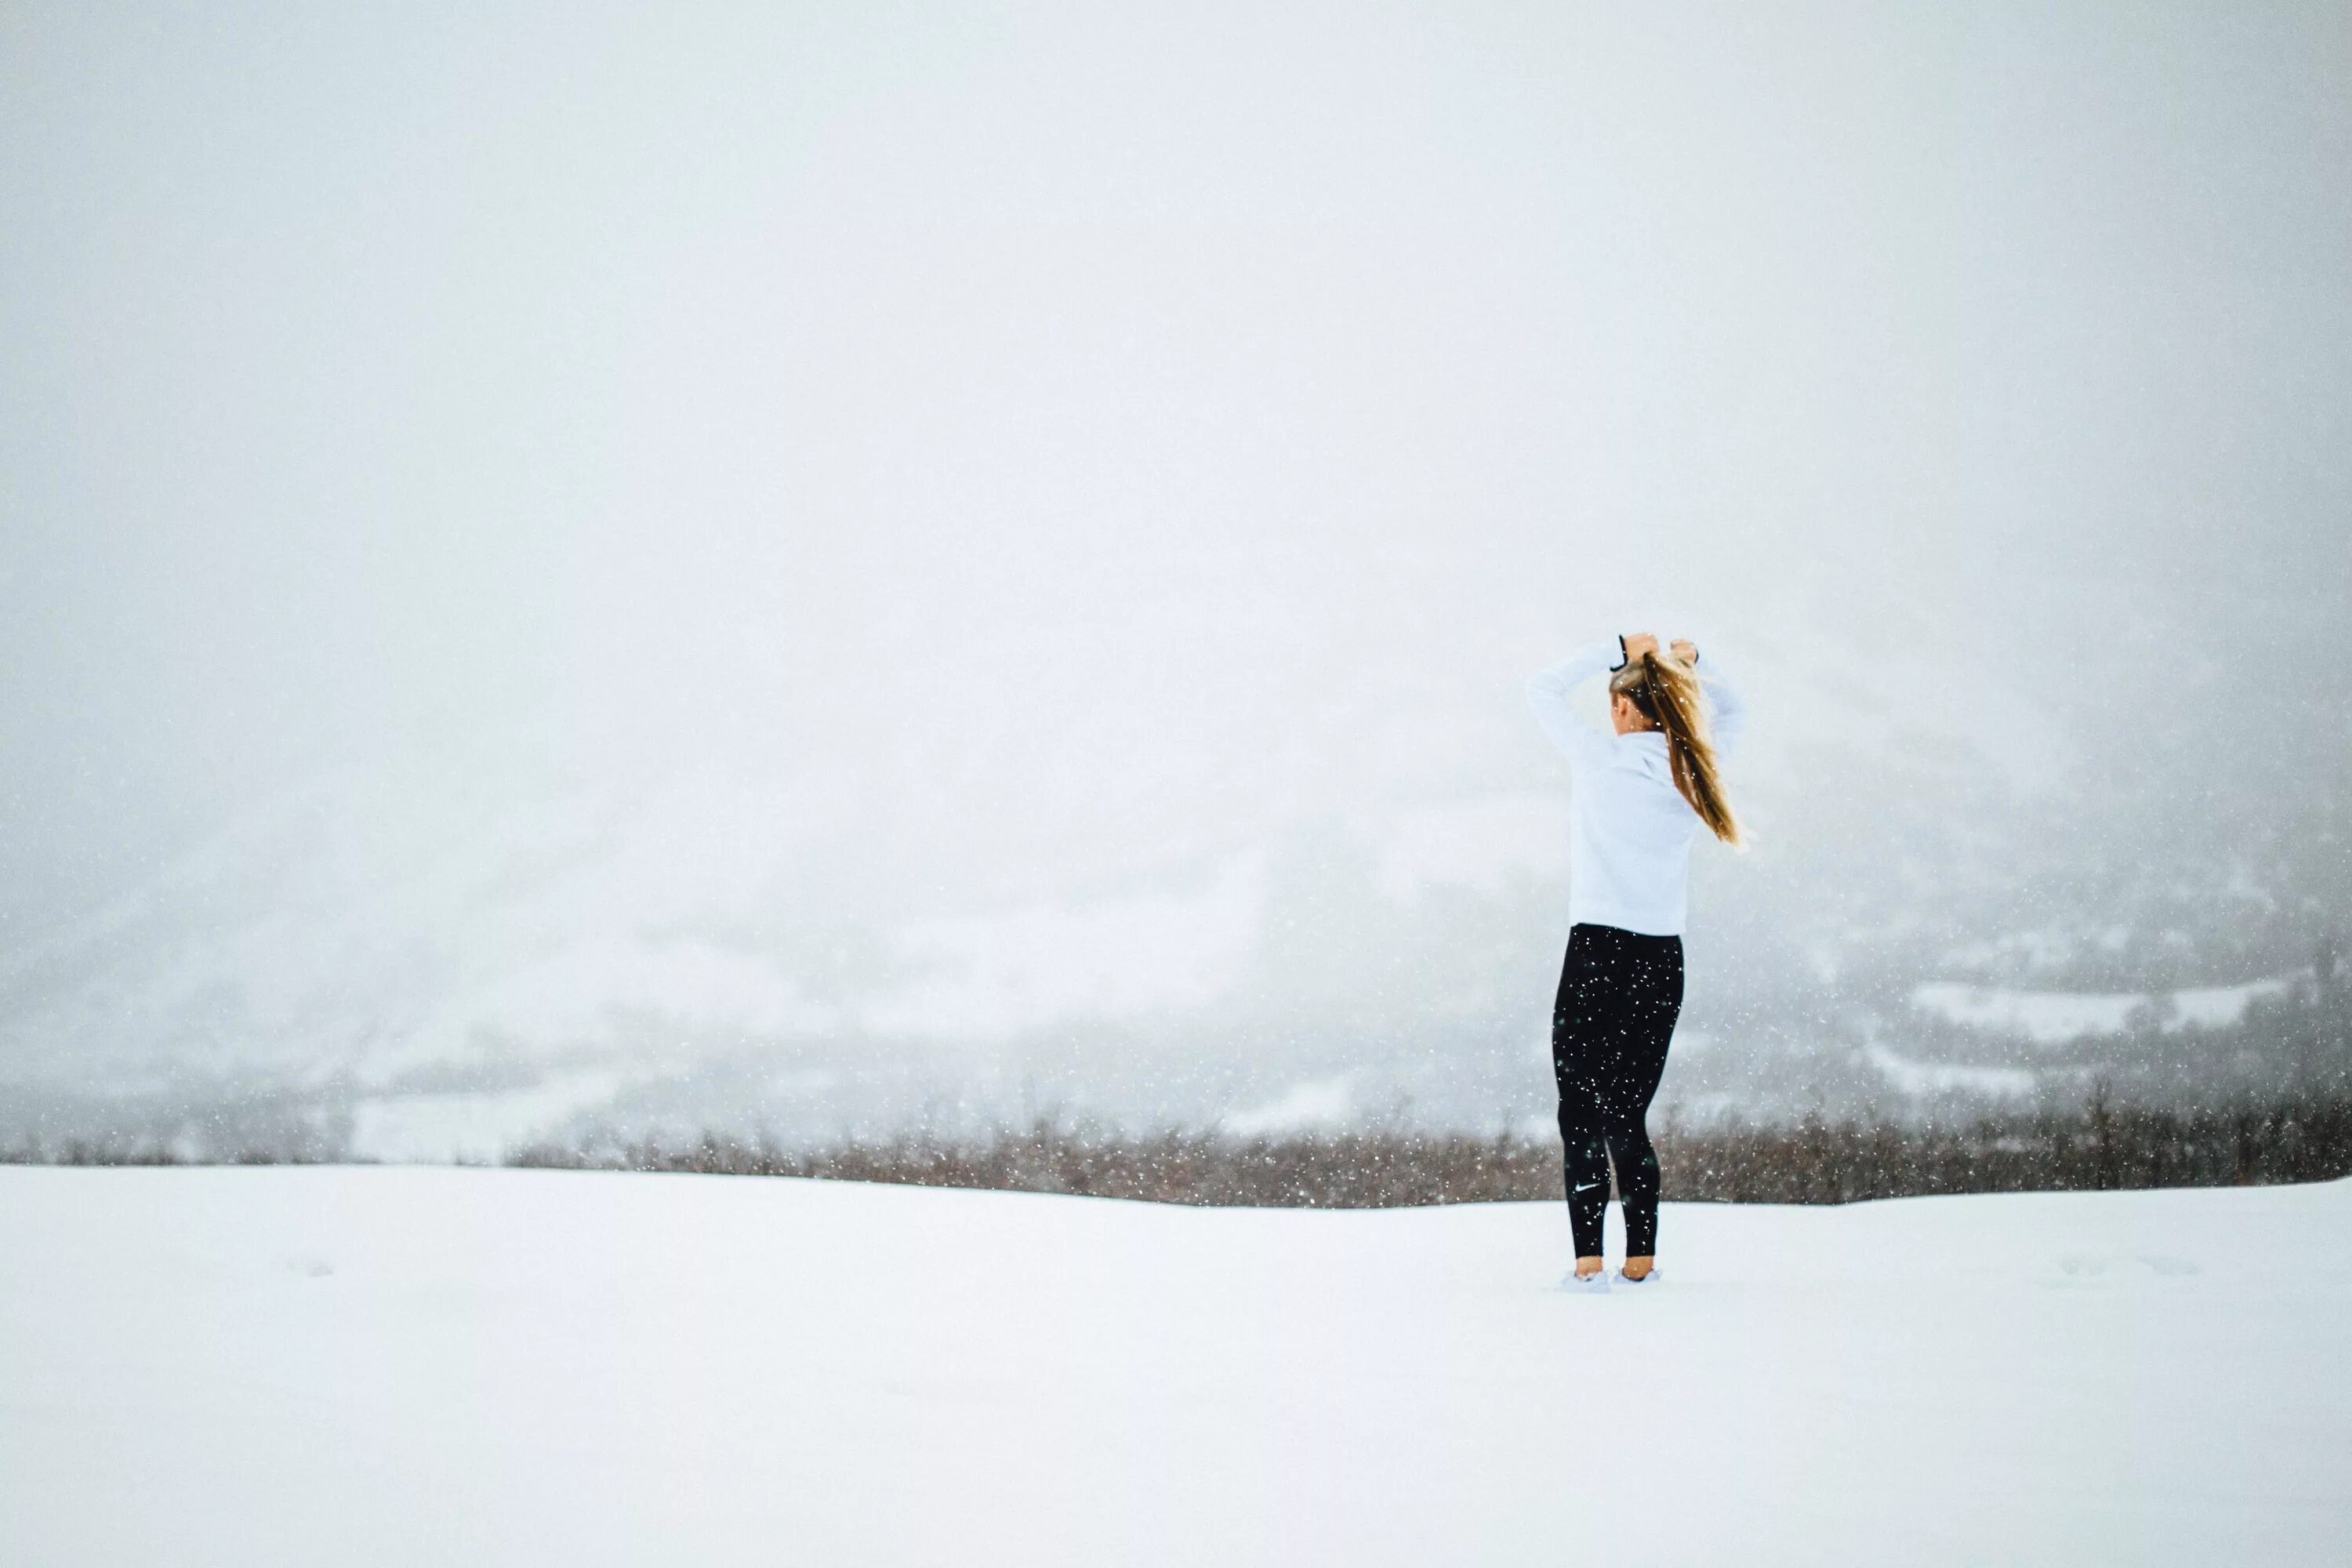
1649,1278
1594,1284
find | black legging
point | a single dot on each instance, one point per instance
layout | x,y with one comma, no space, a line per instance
1619,994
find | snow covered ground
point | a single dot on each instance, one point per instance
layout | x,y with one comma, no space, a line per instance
411,1366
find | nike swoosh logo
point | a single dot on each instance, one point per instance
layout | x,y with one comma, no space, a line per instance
1588,1187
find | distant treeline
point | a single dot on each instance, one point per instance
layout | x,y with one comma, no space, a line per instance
2302,1137
1814,1160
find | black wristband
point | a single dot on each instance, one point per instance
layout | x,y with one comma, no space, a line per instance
1621,657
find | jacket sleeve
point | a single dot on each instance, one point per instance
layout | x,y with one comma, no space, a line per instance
1726,719
1583,744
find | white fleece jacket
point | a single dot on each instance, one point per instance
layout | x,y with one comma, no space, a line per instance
1629,829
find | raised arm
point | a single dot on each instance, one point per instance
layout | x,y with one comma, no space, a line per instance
1548,692
1726,717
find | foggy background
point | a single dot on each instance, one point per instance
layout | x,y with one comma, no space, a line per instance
834,567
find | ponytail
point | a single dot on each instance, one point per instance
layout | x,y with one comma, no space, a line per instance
1666,691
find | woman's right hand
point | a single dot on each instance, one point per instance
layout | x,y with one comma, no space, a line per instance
1638,643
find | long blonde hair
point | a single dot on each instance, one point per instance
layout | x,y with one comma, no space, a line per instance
1666,692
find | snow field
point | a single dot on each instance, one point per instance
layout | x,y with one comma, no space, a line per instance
418,1366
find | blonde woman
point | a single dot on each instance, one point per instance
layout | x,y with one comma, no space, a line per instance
1639,793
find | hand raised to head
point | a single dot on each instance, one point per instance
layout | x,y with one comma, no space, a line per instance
1685,649
1638,643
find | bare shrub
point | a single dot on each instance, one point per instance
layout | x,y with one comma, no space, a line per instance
2104,1144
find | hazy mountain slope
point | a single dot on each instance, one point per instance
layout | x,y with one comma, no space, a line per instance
677,942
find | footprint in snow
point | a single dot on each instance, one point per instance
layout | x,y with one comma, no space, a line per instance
2080,1268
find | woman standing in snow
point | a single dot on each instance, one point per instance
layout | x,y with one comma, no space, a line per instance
1639,795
